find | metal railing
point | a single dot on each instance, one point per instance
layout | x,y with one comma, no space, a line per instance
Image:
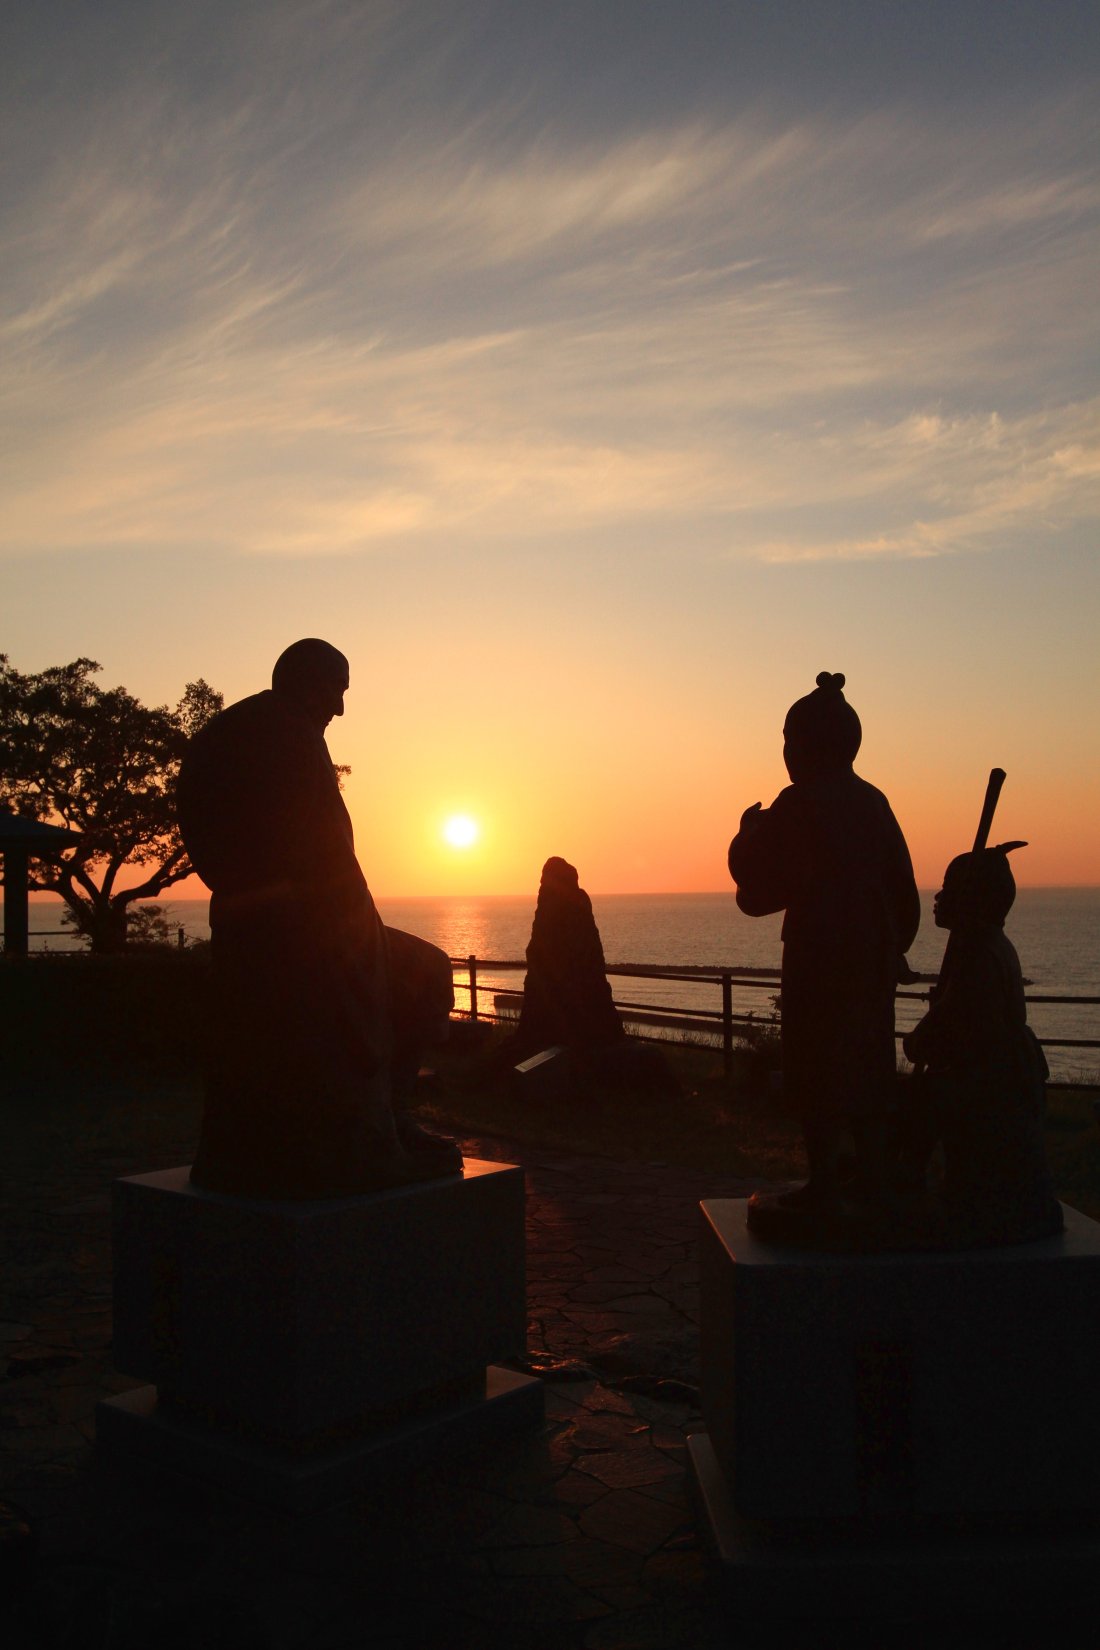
724,1021
77,947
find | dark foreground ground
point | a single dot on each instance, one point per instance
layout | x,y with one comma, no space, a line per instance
580,1536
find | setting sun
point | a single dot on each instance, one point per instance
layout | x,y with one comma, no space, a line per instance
460,831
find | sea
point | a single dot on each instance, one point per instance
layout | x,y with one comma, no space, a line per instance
1055,930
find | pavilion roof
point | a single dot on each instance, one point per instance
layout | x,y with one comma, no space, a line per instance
19,831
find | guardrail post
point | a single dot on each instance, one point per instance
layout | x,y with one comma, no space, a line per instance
471,964
727,1023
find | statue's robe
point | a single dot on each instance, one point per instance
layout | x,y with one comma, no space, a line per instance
301,1040
981,1090
566,996
830,853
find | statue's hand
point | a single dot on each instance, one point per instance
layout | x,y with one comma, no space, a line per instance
752,818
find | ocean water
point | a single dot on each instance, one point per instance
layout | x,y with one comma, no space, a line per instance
1055,930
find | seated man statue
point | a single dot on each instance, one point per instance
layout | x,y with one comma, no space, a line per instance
979,1087
318,1011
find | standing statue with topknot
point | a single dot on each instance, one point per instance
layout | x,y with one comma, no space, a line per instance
830,854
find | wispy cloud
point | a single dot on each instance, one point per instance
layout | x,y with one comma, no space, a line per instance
948,485
330,320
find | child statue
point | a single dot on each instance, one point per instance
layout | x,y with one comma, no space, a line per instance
979,1086
830,853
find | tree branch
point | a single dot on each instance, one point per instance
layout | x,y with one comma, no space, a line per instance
171,871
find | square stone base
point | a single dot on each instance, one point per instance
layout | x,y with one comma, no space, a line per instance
780,1574
915,1386
294,1319
135,1429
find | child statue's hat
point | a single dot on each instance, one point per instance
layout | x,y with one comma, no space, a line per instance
984,882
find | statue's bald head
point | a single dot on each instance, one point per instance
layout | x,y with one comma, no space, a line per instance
315,675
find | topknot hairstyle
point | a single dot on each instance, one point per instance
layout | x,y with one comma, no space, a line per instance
822,731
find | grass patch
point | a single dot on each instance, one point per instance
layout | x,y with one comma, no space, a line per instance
1073,1147
699,1119
104,1052
730,1124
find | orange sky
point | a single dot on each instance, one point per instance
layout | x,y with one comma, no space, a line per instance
592,376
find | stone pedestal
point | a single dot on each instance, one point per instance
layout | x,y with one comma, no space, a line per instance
855,1401
296,1350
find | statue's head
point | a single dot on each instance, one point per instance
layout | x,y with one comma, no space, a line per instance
977,888
315,675
822,732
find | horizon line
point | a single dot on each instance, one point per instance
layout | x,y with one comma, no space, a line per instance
525,893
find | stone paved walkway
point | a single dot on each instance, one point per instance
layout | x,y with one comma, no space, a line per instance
580,1537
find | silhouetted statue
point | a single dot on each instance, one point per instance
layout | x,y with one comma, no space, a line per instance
566,997
318,1011
830,853
979,1087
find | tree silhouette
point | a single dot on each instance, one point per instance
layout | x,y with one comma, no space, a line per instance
102,763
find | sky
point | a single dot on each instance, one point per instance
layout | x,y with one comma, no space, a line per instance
593,374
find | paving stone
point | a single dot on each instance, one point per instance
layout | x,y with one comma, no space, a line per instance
598,1293
44,1443
529,1601
657,1399
613,1243
527,1526
72,1403
585,1562
606,1398
594,1563
575,1489
565,1401
86,1371
24,1414
547,1364
600,1326
627,1469
35,1360
686,1541
514,1466
683,1271
54,1334
616,1274
667,1438
679,1297
676,1571
627,1518
606,1430
643,1629
671,1490
621,1597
